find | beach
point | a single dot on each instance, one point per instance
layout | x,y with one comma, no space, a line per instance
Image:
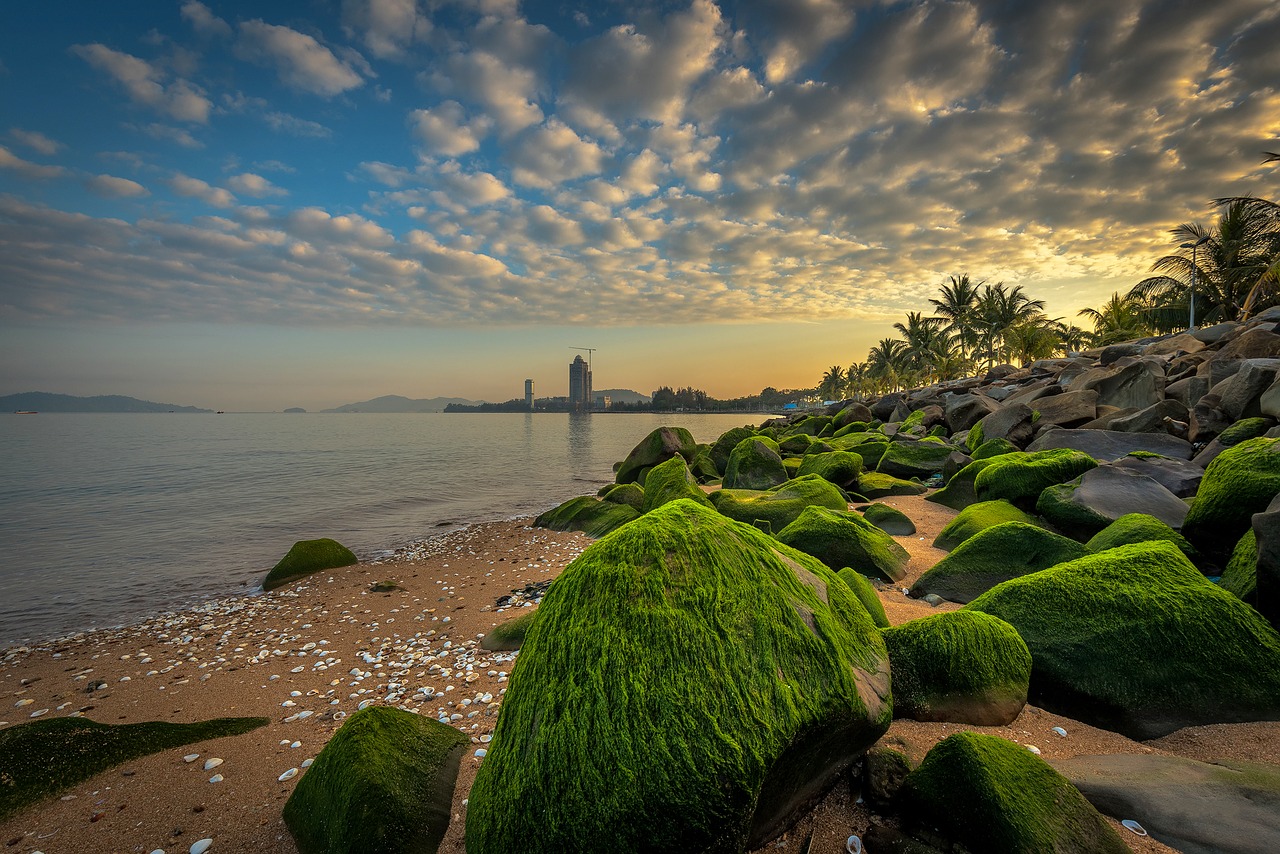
309,654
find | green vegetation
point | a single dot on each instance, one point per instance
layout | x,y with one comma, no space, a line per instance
1074,519
840,467
890,520
960,490
587,514
876,485
384,783
1240,578
1020,478
993,556
630,494
669,481
1241,481
658,447
47,756
975,518
866,593
780,506
1139,528
913,459
509,635
841,539
306,557
1245,429
755,463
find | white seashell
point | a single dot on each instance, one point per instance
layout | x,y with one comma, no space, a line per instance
21,703
38,712
288,703
337,716
1134,826
296,744
1033,749
201,846
191,757
306,763
210,764
1060,731
288,775
216,778
481,753
485,739
853,845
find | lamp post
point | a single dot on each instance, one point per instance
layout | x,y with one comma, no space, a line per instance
1191,325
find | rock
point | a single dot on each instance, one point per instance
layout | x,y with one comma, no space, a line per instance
1069,409
587,514
1152,419
307,557
1217,332
509,635
1207,419
1239,483
890,520
1269,401
1133,387
1115,352
1020,478
1011,423
1083,507
721,747
1240,577
914,459
722,447
1139,528
992,556
1180,477
960,490
1188,390
883,408
1241,394
883,770
669,481
852,413
963,792
975,518
384,782
846,540
876,485
839,467
962,667
1139,642
861,587
1257,343
630,494
755,464
1228,807
1266,594
956,461
1184,343
780,506
659,446
962,411
1106,445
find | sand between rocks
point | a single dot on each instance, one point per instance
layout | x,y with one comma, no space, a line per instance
209,662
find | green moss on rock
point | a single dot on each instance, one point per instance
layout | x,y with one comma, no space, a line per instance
306,557
587,514
630,494
780,506
1240,578
509,635
978,517
1139,528
994,448
873,485
992,556
1241,481
669,481
891,520
755,464
994,796
658,447
851,427
384,783
841,539
840,467
690,685
960,491
722,447
866,593
1244,430
869,446
921,459
1020,478
1055,504
961,666
46,756
796,445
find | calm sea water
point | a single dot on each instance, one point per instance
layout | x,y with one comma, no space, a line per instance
105,519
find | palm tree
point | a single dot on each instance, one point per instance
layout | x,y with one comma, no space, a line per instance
958,309
832,385
919,335
998,310
886,365
1121,318
855,378
1071,338
1029,340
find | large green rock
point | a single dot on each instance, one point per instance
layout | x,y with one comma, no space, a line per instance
914,459
866,594
875,485
1082,507
384,783
669,481
587,514
960,490
1139,528
961,666
992,556
1240,482
994,796
659,446
690,684
891,520
975,518
840,467
509,635
1240,577
780,506
630,494
841,539
1136,640
755,464
306,557
722,447
1020,478
870,446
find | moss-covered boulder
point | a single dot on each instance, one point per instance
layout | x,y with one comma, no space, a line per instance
908,459
509,635
796,445
961,666
1240,482
780,506
49,755
1139,528
722,447
659,446
690,684
841,539
630,494
810,425
994,448
875,485
866,593
703,466
306,557
869,446
891,520
384,783
883,772
992,556
975,518
669,481
991,795
1136,640
960,490
840,467
755,464
1081,508
1244,430
587,514
1020,478
1240,577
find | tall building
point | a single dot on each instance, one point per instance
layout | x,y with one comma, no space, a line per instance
579,385
528,395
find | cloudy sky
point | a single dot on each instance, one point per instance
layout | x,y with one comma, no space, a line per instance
255,206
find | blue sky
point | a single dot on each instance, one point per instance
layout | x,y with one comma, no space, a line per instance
255,206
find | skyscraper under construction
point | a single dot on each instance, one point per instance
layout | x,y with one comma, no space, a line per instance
579,385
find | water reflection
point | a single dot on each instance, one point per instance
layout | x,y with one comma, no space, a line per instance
579,439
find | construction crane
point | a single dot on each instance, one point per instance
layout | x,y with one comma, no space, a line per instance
589,350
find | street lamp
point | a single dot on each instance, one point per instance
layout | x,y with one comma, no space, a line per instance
1191,326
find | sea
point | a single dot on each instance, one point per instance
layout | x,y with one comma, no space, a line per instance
106,519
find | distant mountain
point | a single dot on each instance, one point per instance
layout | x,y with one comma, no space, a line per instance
621,395
43,401
397,403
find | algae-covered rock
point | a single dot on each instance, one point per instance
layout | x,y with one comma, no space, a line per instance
913,459
1239,483
994,448
1240,577
883,772
780,506
960,666
960,490
975,518
866,594
587,514
630,494
1244,430
1139,528
796,445
722,447
509,635
1083,507
1020,478
46,756
891,520
659,446
841,539
384,783
840,467
994,796
1136,640
306,557
669,481
869,446
875,485
755,464
993,556
690,684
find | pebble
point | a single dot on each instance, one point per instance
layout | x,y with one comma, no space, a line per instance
288,775
481,753
1033,749
201,846
38,712
853,845
21,703
210,764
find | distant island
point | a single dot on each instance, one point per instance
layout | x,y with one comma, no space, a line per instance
43,401
398,403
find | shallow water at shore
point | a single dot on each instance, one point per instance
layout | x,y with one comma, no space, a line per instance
107,518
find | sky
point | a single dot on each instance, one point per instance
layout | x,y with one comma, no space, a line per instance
253,206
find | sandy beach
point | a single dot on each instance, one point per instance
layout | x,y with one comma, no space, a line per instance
308,655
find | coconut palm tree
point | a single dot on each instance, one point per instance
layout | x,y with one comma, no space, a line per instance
998,310
957,308
832,385
886,364
1121,318
919,336
855,379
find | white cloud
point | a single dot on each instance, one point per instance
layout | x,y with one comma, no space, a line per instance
169,133
317,224
553,154
36,141
145,84
294,126
506,92
203,21
112,187
249,184
444,129
301,61
27,169
641,173
792,32
184,185
387,27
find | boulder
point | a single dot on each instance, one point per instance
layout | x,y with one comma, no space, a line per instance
1115,352
1139,528
1269,401
992,556
780,506
1152,419
722,447
1241,394
1225,807
1083,507
962,666
306,557
1180,477
883,771
587,514
659,446
962,411
630,494
852,413
1136,640
1106,445
1188,390
384,782
1020,478
1216,333
990,795
1028,394
1207,419
754,463
614,738
669,481
883,408
1069,409
1011,423
960,490
1134,386
1257,343
875,485
914,459
890,520
869,446
843,539
1240,577
1239,483
509,635
866,593
1173,345
975,518
1266,593
839,467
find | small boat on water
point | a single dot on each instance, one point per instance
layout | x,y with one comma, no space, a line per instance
24,412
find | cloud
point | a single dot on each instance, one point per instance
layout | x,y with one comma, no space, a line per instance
294,126
249,184
111,187
184,185
146,84
203,21
168,133
36,141
27,169
791,33
301,61
506,92
553,154
445,130
387,27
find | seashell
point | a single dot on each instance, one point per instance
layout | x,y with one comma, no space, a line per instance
216,778
1033,749
306,763
364,704
296,744
1060,731
288,775
337,716
38,712
21,703
481,753
190,757
210,764
1134,826
853,845
201,846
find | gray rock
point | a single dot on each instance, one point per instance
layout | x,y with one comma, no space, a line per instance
1104,445
962,411
1208,419
1189,390
1132,386
1115,352
1151,419
1068,409
1012,423
1180,477
1240,393
1269,401
1260,342
1035,391
883,408
1266,527
1214,334
1111,492
1175,344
